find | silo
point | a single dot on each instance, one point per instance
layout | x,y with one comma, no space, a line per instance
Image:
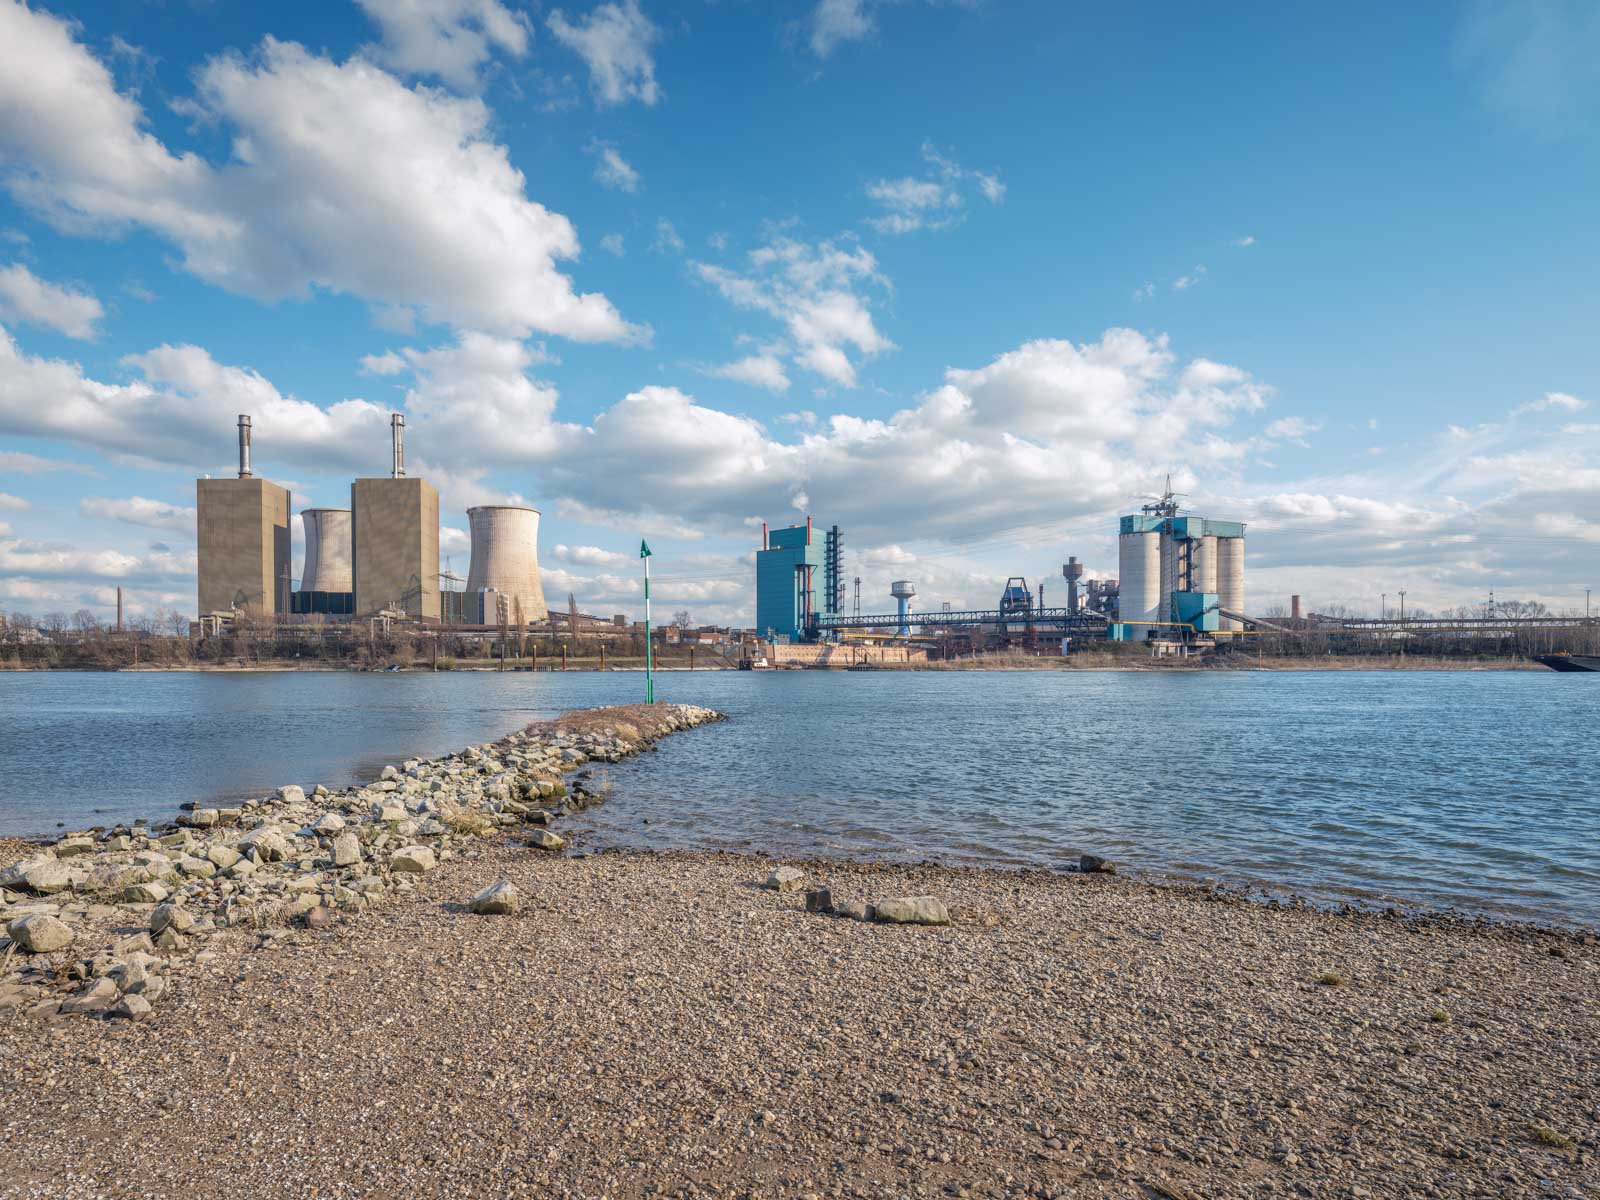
1230,578
1203,564
505,556
327,562
1171,576
1139,571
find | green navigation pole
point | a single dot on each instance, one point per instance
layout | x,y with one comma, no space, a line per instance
649,661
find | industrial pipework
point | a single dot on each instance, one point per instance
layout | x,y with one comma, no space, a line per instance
244,445
397,438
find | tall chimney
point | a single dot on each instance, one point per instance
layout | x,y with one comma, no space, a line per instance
397,432
244,445
1294,607
808,529
764,535
119,609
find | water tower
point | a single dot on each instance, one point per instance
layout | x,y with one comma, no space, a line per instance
902,590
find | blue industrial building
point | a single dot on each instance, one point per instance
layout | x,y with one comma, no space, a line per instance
787,592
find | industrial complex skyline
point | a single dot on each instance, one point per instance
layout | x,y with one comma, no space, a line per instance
675,270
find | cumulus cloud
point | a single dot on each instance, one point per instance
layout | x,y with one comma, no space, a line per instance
615,41
26,297
341,179
812,291
449,39
758,370
387,363
611,169
137,510
590,556
11,503
936,200
17,462
612,244
182,410
833,22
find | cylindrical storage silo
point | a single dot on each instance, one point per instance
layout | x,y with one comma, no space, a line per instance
1230,578
1171,575
327,563
505,556
1139,571
1203,564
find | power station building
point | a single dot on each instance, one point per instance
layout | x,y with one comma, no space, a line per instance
1180,569
242,540
505,563
394,536
787,591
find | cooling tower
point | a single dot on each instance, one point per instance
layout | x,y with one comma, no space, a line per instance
1139,572
505,556
328,544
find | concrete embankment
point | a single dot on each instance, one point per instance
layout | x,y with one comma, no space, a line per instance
102,918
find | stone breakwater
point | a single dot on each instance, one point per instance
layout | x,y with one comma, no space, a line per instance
104,921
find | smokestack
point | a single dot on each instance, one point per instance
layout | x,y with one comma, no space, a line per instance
764,535
397,432
119,610
808,529
1294,607
244,445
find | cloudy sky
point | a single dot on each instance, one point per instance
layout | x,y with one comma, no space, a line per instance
968,279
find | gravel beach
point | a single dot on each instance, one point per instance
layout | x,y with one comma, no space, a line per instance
665,1024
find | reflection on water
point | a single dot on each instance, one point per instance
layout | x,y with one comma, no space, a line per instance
1458,789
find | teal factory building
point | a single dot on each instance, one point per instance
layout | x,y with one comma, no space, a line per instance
795,579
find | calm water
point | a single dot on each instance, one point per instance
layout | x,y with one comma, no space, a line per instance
1473,790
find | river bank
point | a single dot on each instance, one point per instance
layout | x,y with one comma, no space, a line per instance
661,1024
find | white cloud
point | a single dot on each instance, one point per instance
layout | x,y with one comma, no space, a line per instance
612,244
836,21
1246,241
667,239
26,297
1537,64
590,556
19,463
611,169
12,503
1294,429
387,363
47,560
137,510
1552,402
182,411
810,289
758,370
615,42
450,39
935,201
341,179
1184,282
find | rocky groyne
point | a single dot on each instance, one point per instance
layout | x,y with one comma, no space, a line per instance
104,921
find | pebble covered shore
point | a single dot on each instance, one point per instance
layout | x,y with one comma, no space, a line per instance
679,1024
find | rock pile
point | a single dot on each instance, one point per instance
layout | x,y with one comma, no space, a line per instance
291,856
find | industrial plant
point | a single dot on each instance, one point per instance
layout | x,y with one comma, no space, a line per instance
1180,589
379,558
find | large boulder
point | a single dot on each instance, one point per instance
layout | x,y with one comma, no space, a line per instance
95,997
170,916
292,793
144,893
329,823
543,839
268,844
497,900
346,850
42,876
40,933
412,860
786,879
222,856
911,910
73,846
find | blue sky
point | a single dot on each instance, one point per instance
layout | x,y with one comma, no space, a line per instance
967,279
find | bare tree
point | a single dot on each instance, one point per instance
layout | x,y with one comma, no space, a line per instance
84,621
53,622
681,618
22,620
176,622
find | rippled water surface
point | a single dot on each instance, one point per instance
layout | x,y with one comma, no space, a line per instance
1466,789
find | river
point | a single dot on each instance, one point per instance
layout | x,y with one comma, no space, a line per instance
1465,789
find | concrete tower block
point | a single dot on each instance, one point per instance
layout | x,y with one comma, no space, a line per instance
395,537
242,545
